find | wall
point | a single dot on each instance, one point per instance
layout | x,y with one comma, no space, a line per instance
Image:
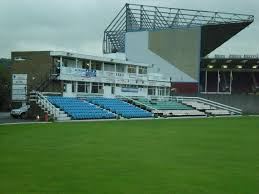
140,92
184,88
180,47
248,103
138,48
38,65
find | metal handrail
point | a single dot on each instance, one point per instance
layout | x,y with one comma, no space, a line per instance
209,102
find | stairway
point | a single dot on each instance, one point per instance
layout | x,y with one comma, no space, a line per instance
47,107
255,82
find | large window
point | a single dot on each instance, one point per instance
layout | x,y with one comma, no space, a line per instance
73,86
109,67
142,70
164,91
161,91
97,88
96,65
83,87
86,64
151,91
131,69
120,68
69,62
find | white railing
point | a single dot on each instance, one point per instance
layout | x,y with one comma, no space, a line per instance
43,101
209,102
137,102
159,98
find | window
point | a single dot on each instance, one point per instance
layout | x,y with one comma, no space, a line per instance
96,65
142,70
97,88
73,86
112,89
151,91
131,69
85,64
109,67
161,91
120,68
81,87
69,62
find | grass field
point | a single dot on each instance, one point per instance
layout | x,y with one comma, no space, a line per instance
212,156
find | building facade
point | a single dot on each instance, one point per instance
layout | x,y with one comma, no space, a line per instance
77,75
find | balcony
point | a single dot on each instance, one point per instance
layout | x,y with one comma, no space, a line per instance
78,74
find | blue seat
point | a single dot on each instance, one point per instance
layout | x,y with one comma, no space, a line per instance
79,109
120,107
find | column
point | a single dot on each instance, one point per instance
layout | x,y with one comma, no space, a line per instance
230,82
206,80
218,82
61,61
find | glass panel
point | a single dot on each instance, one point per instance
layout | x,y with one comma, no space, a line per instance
96,65
85,64
69,62
81,87
142,70
131,69
109,67
120,68
151,91
95,88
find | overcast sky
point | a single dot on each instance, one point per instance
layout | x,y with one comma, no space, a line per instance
78,25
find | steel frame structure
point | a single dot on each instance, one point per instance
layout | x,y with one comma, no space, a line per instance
134,17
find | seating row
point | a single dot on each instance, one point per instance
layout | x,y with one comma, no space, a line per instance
80,109
120,107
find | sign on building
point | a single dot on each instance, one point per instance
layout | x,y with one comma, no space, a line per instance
19,87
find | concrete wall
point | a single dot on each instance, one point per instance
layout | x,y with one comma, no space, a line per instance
180,47
37,65
137,50
248,103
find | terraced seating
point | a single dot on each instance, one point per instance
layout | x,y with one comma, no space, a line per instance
164,105
80,109
218,112
198,105
183,113
120,107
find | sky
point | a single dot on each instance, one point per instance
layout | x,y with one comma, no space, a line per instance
78,25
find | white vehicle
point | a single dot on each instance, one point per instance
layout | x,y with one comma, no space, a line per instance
20,112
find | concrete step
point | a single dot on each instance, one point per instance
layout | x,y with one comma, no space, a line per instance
62,115
63,118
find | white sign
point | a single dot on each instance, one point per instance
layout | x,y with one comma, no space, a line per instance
19,87
19,82
19,92
19,97
19,76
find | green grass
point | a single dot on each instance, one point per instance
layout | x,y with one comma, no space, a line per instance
210,156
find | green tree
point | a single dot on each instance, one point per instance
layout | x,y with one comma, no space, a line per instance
5,84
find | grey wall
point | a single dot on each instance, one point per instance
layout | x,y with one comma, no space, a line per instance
180,47
137,50
248,103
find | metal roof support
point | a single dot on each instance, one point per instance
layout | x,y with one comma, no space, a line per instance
134,17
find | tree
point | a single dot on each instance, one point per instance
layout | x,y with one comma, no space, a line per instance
5,84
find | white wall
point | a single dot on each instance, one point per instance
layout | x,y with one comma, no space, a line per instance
136,49
141,92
